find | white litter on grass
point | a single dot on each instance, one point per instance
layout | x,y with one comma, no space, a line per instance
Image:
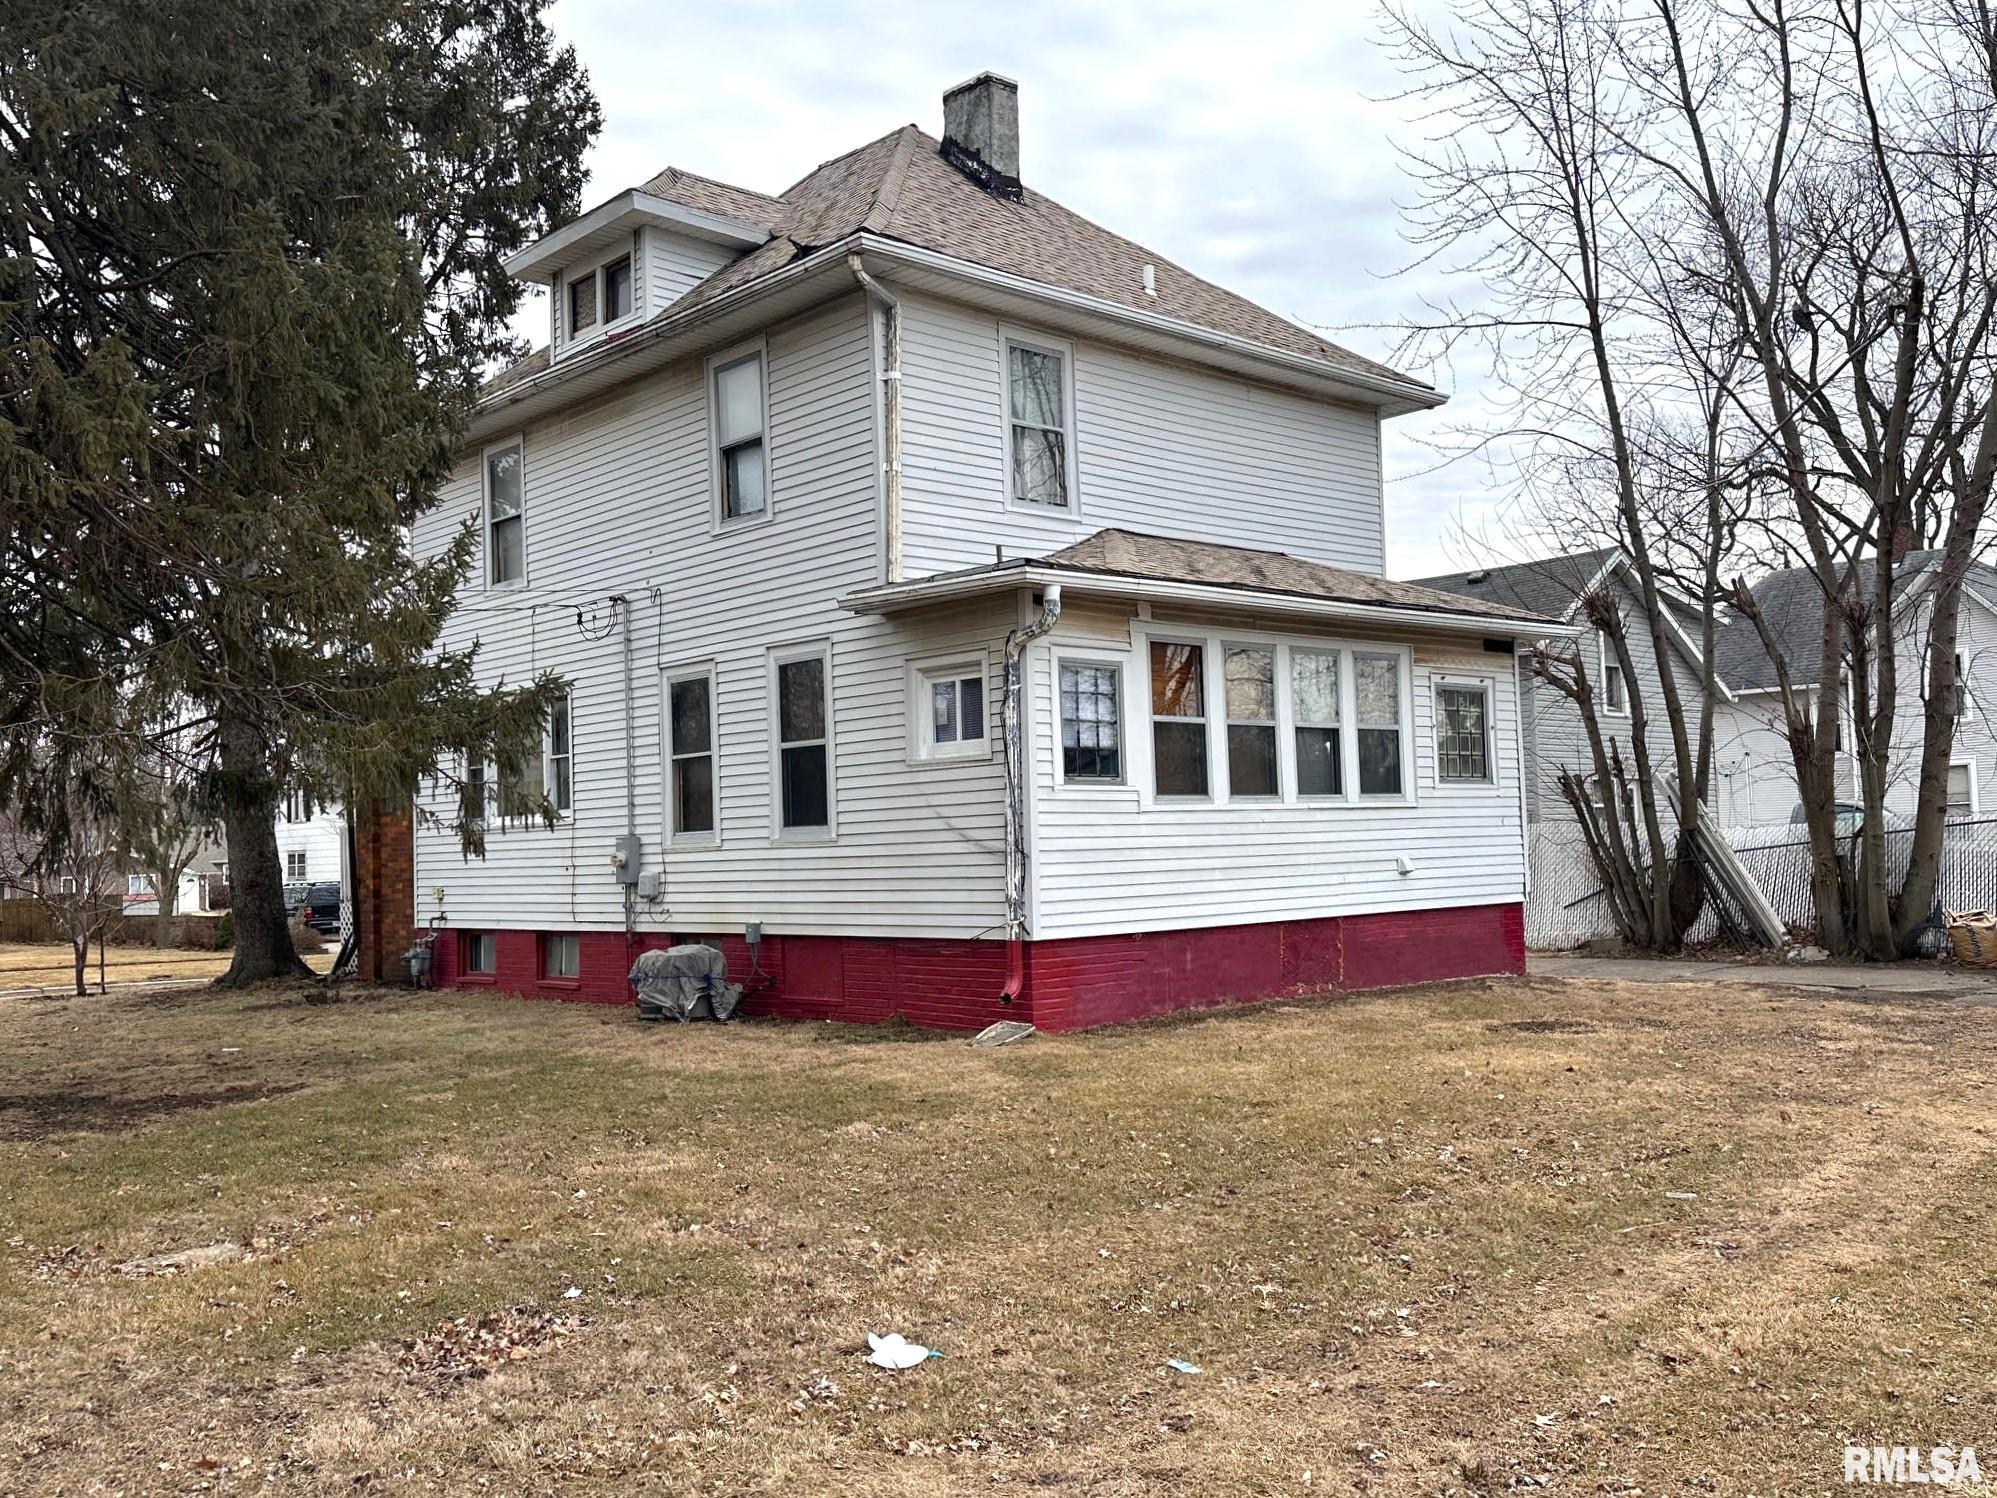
1005,1032
897,1352
572,1293
1180,1365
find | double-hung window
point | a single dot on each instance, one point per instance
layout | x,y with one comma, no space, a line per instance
950,711
617,289
1615,691
1463,731
1314,710
1251,720
560,755
505,534
1038,438
804,742
582,303
1178,718
1091,722
740,455
1376,681
472,793
690,747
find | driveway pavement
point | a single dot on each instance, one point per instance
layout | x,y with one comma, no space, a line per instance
1896,979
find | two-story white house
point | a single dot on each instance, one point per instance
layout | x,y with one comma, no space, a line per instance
969,614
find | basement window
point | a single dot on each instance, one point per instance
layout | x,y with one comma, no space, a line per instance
561,958
478,954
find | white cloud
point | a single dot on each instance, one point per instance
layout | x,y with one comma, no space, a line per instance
1250,145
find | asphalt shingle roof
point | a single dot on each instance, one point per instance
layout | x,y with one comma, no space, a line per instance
1546,588
1163,559
901,187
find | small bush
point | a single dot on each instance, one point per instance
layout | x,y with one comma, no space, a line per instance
225,932
306,939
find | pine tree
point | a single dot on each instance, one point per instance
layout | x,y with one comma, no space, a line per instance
250,272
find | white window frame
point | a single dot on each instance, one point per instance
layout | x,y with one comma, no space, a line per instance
1966,713
1608,662
304,864
1966,762
1278,658
1009,338
547,946
485,551
596,267
138,887
719,520
1139,763
695,671
776,657
1464,683
548,756
1099,660
930,671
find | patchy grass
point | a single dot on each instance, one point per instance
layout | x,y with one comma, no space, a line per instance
1577,1236
35,965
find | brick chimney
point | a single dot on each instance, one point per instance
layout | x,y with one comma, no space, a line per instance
981,133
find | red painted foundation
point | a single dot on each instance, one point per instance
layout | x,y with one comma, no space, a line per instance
1070,985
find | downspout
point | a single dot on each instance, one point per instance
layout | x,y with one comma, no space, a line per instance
630,775
890,411
1015,792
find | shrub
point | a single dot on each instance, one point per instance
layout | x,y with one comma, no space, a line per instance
225,932
305,939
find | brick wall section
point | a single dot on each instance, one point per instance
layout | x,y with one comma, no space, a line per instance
385,894
1071,985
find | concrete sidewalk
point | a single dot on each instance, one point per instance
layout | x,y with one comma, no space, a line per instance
1921,979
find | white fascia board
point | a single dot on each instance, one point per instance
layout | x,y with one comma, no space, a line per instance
1392,396
548,254
952,587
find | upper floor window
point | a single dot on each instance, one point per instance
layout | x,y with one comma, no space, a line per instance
739,418
1463,731
505,521
295,864
1615,691
582,303
1039,439
617,289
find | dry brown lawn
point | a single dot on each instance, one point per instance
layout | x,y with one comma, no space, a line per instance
39,965
1532,1236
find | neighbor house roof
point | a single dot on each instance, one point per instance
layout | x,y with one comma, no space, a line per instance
1130,562
900,188
1549,587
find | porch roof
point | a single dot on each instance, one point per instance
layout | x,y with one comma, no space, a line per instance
1120,563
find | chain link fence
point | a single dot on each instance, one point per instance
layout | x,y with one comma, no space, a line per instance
1565,906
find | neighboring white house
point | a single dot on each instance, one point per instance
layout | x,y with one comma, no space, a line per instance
1754,775
311,840
968,614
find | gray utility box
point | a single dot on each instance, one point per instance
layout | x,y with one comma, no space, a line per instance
627,857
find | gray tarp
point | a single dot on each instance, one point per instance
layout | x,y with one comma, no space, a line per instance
684,983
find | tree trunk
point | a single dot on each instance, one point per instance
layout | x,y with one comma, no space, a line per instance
248,798
79,950
166,887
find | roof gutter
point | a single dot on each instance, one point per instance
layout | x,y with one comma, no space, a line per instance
1407,393
1209,595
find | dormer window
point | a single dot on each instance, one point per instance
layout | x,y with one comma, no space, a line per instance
617,289
582,302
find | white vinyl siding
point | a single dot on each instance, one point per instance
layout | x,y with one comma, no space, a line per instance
1158,447
622,500
674,265
1109,858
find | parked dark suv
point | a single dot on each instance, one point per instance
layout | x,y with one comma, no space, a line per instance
322,907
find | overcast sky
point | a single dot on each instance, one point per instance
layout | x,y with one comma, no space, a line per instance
1250,143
